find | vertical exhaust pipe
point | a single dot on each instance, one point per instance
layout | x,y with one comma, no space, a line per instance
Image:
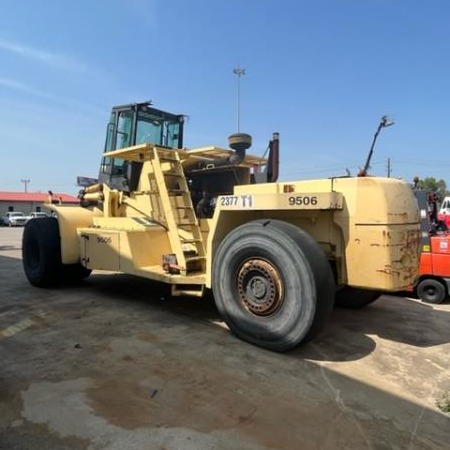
273,163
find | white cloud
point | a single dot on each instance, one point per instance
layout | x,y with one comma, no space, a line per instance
18,86
56,60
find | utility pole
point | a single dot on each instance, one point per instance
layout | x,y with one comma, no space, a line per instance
25,181
239,72
389,167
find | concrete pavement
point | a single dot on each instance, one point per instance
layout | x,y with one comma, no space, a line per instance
116,363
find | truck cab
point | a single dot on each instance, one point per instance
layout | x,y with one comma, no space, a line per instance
134,124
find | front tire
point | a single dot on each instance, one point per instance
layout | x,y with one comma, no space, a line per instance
272,284
41,255
431,291
41,252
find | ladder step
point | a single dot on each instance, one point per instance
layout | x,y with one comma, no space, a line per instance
185,224
190,241
174,175
167,158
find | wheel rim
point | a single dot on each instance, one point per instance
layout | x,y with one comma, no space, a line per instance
430,293
260,287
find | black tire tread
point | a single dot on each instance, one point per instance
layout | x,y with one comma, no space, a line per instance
42,235
438,286
316,275
41,252
355,298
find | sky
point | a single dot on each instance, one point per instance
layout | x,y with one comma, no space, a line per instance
322,73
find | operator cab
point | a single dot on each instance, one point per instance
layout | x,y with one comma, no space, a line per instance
134,124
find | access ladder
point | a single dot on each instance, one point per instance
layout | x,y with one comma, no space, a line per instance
183,228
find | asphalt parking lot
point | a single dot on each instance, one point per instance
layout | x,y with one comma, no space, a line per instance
116,363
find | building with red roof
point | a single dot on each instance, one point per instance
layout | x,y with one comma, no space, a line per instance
28,202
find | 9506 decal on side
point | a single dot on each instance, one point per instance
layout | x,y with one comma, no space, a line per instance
309,201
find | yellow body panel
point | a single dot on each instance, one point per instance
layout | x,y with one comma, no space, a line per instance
70,218
375,246
368,227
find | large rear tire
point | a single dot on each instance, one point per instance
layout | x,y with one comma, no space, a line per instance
272,284
354,298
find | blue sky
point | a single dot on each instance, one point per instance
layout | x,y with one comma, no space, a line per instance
322,73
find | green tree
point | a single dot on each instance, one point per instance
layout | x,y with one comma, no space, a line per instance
438,186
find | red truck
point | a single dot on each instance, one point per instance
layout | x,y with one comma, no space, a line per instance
434,282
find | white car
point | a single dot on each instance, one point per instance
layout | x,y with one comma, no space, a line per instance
14,219
37,215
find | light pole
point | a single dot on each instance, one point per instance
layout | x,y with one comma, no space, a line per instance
239,72
25,181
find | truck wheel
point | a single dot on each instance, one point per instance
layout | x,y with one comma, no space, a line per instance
41,252
354,298
272,284
431,291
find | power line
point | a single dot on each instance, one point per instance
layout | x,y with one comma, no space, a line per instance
425,161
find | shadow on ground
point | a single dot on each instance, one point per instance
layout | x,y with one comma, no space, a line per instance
347,335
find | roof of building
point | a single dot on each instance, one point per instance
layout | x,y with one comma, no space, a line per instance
40,197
